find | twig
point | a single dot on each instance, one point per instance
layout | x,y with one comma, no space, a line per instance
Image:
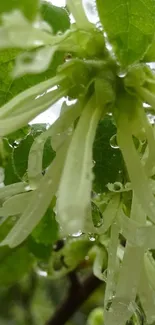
78,293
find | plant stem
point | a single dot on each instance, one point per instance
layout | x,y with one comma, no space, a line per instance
77,295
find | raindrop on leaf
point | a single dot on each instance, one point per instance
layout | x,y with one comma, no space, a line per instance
113,142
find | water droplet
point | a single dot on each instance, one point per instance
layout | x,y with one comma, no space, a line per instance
99,25
58,245
42,273
47,126
70,101
91,238
128,186
17,142
77,234
118,186
10,145
115,187
109,303
142,142
113,142
27,188
122,74
99,224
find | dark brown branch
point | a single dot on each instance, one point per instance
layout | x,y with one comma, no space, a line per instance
77,295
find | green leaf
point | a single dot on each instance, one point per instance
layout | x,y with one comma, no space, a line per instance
28,7
108,161
10,175
18,135
16,167
10,87
40,251
46,231
19,260
21,153
130,27
5,151
39,202
14,265
150,54
56,17
5,226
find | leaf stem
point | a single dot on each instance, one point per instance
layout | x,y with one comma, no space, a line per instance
74,300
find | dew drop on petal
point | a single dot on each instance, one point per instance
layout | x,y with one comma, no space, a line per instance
113,142
42,273
122,73
27,188
91,238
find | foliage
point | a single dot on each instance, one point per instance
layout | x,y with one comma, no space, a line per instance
77,196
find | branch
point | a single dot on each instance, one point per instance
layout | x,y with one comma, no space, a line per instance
78,294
